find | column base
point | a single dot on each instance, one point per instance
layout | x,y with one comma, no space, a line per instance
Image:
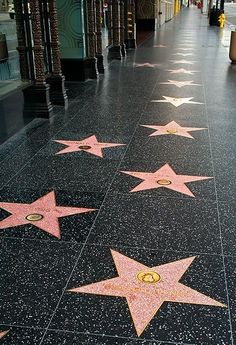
100,65
123,50
57,90
145,24
114,53
130,43
37,101
79,69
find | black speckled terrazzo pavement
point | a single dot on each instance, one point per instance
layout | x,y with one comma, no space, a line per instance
131,244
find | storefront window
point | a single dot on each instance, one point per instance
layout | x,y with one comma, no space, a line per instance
9,60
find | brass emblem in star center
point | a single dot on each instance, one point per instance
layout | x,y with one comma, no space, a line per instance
84,147
148,277
164,182
34,217
172,130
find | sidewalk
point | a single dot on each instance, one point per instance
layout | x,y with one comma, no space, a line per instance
118,216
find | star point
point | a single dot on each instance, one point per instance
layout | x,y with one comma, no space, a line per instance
165,177
90,145
181,70
173,128
147,288
176,101
42,213
2,334
147,64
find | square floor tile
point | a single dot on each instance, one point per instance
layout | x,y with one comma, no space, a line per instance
66,173
163,223
224,146
227,213
225,177
167,112
168,148
107,119
34,275
69,338
21,336
173,322
230,267
79,91
220,114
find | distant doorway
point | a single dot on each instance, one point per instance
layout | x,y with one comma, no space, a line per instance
104,19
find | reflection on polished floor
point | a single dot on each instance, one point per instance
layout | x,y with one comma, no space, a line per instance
118,215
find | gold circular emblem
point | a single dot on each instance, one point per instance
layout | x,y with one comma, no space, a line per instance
84,147
172,130
34,217
148,277
164,182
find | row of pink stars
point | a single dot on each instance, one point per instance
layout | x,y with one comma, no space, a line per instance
147,288
144,297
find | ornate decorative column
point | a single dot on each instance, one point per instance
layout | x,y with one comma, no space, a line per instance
122,27
99,55
130,32
115,49
91,39
72,27
36,96
56,79
22,49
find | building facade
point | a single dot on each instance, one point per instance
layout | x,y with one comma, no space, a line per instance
43,43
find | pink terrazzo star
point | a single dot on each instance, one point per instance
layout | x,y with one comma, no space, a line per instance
43,213
165,177
176,101
146,64
180,83
181,71
2,334
183,62
90,145
184,54
185,48
173,128
146,289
